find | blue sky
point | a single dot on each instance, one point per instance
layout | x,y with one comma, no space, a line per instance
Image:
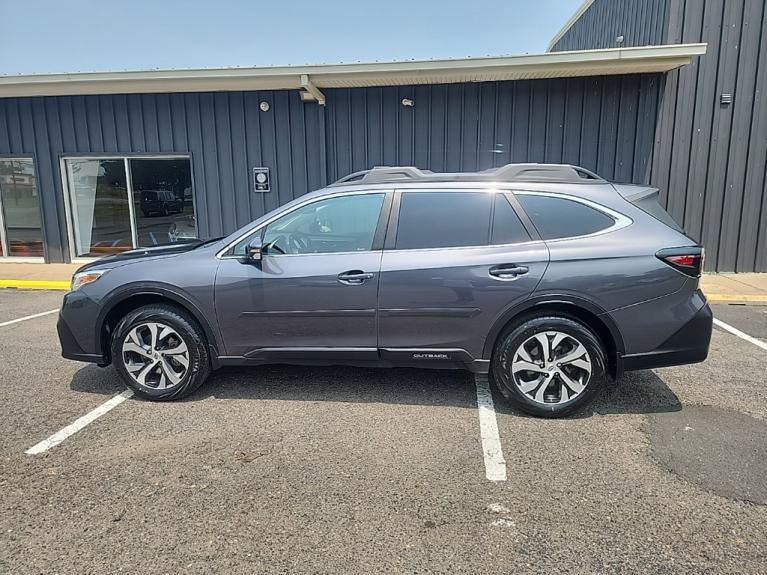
40,36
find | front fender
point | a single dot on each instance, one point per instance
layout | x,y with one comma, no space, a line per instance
165,291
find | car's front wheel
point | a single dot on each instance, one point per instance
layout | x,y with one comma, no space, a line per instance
160,352
549,366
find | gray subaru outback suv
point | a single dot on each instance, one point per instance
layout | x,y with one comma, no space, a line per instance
547,278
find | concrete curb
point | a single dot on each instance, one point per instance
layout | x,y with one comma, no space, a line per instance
36,284
735,298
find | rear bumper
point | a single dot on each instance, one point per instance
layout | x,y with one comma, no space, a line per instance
689,344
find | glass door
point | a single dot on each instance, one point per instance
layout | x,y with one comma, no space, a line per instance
21,231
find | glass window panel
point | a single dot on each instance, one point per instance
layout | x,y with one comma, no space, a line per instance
443,219
21,207
507,228
342,224
162,200
99,203
561,218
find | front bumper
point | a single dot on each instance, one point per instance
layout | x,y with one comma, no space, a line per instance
77,329
689,344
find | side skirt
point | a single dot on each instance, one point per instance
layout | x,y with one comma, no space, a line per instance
424,358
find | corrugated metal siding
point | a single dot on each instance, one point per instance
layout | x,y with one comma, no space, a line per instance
640,22
709,159
225,133
603,123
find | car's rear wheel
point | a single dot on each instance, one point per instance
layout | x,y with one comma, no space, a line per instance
549,366
160,352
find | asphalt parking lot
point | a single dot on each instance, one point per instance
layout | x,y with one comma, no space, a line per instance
343,470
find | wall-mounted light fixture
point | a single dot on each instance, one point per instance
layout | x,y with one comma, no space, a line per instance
264,106
408,103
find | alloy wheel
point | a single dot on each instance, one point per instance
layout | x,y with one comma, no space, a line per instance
155,356
551,367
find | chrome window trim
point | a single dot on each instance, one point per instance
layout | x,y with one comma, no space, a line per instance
220,254
621,221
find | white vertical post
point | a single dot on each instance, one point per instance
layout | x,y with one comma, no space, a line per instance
3,237
131,211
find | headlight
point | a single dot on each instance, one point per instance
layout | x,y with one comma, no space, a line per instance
82,278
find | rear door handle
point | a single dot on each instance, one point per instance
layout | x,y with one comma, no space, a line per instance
508,272
354,277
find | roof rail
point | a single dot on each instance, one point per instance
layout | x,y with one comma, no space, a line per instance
553,173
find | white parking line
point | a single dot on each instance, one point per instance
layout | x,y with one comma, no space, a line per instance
78,424
25,318
740,334
495,464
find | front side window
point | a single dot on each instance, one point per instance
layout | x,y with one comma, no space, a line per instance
333,225
443,220
562,218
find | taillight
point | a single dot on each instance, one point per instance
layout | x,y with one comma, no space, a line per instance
688,260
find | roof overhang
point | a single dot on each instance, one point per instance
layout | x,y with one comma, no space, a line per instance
612,61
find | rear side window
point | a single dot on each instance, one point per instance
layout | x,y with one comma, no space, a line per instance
507,227
443,219
561,218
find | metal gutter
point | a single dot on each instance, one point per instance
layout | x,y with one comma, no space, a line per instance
611,61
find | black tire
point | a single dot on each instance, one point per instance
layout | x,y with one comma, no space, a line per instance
515,335
190,333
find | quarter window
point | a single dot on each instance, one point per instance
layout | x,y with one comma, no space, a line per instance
443,219
562,218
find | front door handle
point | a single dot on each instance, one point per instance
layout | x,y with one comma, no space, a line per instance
508,272
354,277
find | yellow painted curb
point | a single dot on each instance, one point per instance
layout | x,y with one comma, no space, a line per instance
740,298
35,284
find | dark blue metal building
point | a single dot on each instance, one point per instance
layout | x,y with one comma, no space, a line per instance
97,163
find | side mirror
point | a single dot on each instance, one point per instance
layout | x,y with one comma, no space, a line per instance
255,250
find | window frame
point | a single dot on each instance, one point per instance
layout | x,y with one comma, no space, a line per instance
126,157
391,232
378,236
619,220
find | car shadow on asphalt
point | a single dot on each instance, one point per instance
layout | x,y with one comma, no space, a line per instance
636,392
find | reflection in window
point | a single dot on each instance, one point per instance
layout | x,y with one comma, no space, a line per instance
99,201
343,224
20,205
106,215
162,199
332,225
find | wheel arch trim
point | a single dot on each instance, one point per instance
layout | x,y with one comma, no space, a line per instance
163,291
540,302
